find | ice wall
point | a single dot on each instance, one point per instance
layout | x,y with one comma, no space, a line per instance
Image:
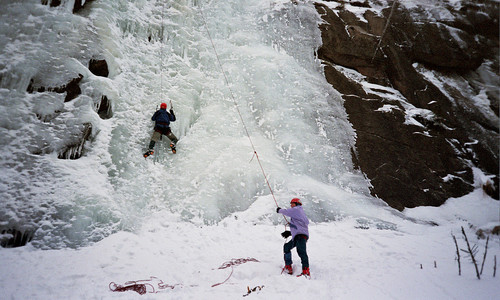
160,51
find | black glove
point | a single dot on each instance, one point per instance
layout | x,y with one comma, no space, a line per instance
172,112
286,234
278,209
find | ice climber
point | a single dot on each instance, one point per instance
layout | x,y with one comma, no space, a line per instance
162,120
299,230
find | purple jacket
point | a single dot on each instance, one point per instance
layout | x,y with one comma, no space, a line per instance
298,220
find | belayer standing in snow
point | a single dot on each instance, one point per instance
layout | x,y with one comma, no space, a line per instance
162,120
299,227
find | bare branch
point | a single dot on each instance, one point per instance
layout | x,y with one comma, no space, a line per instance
484,257
471,254
458,255
495,267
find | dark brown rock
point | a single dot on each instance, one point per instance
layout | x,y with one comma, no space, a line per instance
75,150
496,230
104,110
51,3
73,88
18,238
410,165
433,43
99,67
80,4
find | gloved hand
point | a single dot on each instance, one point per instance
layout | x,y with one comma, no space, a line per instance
286,234
278,209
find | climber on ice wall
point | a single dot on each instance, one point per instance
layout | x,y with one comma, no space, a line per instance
162,119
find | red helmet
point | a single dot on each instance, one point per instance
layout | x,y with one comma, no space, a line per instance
296,201
163,106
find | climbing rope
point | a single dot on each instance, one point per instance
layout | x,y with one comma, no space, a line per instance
156,285
231,263
161,50
142,286
160,147
238,110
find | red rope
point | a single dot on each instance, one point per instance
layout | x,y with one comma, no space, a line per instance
214,285
141,286
231,263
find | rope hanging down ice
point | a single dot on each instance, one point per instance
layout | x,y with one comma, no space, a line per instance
238,110
156,157
161,52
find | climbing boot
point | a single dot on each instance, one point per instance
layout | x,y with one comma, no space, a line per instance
305,272
288,269
148,153
172,146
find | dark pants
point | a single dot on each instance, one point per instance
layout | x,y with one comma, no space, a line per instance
159,131
300,242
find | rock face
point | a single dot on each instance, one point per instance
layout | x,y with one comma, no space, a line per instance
72,88
99,67
410,87
77,6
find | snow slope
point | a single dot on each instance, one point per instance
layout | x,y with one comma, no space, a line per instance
348,260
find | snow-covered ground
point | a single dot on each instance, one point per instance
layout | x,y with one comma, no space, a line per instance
113,217
349,259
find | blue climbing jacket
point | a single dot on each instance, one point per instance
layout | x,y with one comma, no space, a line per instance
299,224
163,118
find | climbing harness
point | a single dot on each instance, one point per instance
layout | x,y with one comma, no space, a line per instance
239,113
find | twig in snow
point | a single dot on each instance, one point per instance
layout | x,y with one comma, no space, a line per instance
471,252
495,267
484,257
458,256
259,287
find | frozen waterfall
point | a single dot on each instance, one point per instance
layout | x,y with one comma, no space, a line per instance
160,51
